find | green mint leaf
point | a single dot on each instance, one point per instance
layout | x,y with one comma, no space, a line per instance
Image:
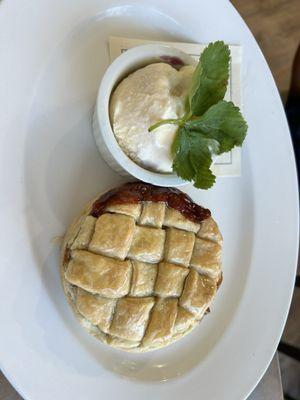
202,149
210,78
222,122
181,159
210,125
193,158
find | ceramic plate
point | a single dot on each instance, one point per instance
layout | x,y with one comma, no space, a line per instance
53,54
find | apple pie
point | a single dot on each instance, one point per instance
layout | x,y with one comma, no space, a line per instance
141,266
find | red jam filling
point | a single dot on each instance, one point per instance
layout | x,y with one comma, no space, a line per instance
137,192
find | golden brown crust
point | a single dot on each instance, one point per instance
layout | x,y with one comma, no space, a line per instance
143,278
147,244
113,235
98,274
179,246
158,325
184,321
206,257
170,280
85,233
198,293
175,219
209,230
162,322
153,214
131,318
133,210
96,309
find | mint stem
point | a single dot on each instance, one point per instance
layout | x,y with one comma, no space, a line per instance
164,122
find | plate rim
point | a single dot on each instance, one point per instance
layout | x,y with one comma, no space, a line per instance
284,316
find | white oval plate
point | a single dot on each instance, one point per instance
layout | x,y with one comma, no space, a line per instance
53,56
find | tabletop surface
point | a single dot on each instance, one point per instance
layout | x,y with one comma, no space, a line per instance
270,387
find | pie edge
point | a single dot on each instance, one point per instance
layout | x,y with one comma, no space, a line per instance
70,235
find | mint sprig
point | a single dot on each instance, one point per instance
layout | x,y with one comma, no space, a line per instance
211,125
210,78
193,157
223,122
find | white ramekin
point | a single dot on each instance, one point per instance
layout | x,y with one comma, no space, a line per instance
108,146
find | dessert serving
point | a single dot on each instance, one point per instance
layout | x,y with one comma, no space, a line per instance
154,92
168,116
141,266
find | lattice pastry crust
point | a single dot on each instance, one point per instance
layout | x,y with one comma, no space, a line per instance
140,276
